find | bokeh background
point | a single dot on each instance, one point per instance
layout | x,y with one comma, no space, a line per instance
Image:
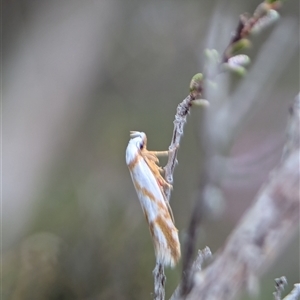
77,77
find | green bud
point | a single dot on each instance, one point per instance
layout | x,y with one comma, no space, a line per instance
212,55
270,18
196,83
239,70
200,102
240,45
239,60
261,10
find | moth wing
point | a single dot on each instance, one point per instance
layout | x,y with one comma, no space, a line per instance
148,190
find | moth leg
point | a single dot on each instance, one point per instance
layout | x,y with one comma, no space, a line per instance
160,153
170,211
152,161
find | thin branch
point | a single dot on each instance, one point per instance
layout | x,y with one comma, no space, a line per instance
280,283
159,282
260,80
202,256
183,109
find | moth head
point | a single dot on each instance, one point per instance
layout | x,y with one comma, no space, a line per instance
139,139
137,142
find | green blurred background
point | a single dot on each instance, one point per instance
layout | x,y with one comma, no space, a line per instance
77,77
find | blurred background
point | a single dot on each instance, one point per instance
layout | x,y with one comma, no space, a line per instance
77,77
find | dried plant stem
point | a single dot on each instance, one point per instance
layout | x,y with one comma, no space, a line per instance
202,256
180,119
279,286
159,282
183,110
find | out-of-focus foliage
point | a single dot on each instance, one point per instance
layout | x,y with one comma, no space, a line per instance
78,76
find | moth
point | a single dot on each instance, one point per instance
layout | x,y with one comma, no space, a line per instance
149,185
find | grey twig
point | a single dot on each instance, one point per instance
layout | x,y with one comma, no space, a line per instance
202,256
180,119
183,110
261,233
159,282
280,283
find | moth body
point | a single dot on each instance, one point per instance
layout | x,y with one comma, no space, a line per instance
148,183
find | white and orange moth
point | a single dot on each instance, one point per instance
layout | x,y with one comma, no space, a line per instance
149,184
